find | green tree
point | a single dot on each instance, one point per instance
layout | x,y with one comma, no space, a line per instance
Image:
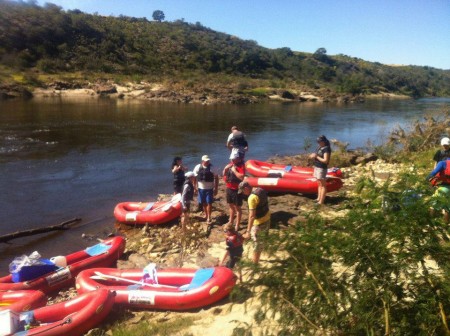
158,15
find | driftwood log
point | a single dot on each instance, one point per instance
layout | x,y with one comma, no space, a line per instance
18,234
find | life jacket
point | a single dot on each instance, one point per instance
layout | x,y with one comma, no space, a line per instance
238,140
232,178
444,155
205,174
443,177
235,240
189,195
263,206
178,176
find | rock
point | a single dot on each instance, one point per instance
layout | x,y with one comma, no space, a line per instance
139,260
287,95
14,91
95,332
105,89
365,159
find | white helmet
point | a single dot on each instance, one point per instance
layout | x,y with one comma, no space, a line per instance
445,141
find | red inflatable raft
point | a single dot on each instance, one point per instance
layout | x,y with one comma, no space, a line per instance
149,213
177,288
265,169
22,300
101,255
303,185
74,317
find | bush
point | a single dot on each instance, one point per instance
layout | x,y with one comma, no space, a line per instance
383,269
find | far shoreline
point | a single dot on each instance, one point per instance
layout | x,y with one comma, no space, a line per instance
158,92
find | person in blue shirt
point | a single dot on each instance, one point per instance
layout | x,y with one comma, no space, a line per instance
440,177
441,173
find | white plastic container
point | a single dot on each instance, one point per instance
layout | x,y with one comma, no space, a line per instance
9,322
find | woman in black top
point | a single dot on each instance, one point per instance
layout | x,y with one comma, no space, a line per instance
178,171
321,160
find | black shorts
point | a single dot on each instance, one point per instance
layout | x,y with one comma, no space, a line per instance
233,197
178,187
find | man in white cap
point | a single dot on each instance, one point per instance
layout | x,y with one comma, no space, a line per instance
258,216
187,196
207,186
444,153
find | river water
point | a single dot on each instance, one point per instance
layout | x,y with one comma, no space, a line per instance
61,159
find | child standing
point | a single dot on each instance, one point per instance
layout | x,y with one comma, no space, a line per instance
234,241
186,198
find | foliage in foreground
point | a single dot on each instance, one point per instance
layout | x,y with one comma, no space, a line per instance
383,269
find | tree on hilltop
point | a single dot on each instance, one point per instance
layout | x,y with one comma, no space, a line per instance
158,15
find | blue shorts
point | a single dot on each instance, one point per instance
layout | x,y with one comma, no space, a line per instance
205,196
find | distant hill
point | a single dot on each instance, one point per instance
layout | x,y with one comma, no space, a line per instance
51,41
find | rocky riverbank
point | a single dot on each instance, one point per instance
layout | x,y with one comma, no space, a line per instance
198,94
162,245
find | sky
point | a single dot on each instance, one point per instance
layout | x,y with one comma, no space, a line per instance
396,32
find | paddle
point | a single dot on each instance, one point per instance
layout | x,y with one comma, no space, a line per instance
175,199
101,276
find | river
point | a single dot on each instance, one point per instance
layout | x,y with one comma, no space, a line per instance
62,159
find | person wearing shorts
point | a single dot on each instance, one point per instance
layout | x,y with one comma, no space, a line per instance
321,160
258,217
233,174
207,186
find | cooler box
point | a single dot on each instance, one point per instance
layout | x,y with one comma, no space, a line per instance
9,322
34,271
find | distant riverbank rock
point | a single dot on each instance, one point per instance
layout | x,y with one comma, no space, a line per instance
14,91
198,93
104,89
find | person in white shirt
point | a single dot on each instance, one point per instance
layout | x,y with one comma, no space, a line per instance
207,186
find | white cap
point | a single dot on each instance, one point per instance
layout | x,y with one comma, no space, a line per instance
205,158
445,141
189,174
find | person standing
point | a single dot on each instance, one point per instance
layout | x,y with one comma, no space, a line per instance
234,173
237,141
444,153
207,186
258,216
178,170
187,196
234,242
321,160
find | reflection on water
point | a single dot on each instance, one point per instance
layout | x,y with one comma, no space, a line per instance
65,159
